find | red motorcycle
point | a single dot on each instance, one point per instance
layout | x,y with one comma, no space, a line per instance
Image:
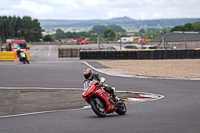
102,102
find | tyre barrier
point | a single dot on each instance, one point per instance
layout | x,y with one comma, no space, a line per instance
140,54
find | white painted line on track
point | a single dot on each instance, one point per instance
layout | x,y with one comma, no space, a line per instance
37,51
105,72
41,88
50,51
42,112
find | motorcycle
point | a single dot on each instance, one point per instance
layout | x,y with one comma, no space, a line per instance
23,58
101,101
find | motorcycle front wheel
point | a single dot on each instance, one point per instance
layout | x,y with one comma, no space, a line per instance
98,108
121,107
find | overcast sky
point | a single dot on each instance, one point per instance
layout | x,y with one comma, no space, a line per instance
101,9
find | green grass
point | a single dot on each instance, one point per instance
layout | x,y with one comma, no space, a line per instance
30,45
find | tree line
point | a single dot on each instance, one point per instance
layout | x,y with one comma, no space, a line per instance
16,27
106,32
150,33
187,27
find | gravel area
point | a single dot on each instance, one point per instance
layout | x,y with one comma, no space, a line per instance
185,68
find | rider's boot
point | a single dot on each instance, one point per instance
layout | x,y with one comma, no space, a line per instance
116,98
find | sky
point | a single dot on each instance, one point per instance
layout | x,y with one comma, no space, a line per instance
101,9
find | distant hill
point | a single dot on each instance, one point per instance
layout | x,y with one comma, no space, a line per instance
127,23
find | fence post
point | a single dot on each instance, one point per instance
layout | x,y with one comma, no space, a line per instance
120,41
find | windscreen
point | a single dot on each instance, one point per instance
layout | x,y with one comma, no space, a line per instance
19,45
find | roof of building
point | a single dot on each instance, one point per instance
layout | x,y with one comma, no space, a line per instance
179,37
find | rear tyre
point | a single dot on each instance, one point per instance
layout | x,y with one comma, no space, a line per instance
27,61
121,107
99,109
24,62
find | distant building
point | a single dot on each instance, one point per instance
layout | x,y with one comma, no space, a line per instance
177,39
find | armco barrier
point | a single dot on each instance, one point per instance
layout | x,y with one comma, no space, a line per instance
9,55
140,54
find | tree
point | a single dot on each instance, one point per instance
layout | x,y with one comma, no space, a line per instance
102,28
142,31
177,28
47,38
109,34
16,27
99,28
188,27
196,26
60,34
116,28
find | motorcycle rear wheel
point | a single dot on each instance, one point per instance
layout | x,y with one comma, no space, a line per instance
99,109
121,108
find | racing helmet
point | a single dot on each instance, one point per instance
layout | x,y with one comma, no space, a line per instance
18,48
88,73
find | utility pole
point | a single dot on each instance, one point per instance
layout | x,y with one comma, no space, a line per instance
98,41
141,40
120,42
184,39
163,39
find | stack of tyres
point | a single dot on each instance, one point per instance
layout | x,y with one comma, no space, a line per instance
98,54
112,54
140,54
90,54
179,54
187,54
192,54
121,54
133,54
117,56
156,55
95,56
197,54
106,55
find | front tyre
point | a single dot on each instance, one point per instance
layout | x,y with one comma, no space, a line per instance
98,108
121,107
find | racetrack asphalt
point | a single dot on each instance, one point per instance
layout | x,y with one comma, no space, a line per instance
177,112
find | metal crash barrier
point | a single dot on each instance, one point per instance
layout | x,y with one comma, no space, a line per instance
11,56
140,54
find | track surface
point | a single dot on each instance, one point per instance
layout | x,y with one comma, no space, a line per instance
177,112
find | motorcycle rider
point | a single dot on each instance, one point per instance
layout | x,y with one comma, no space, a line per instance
24,57
90,76
18,54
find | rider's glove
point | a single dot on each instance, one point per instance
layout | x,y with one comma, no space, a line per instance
102,80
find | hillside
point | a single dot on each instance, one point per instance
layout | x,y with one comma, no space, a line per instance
127,23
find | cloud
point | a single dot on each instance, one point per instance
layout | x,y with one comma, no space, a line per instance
101,9
33,7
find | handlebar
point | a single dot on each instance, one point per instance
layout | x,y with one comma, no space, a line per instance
98,84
